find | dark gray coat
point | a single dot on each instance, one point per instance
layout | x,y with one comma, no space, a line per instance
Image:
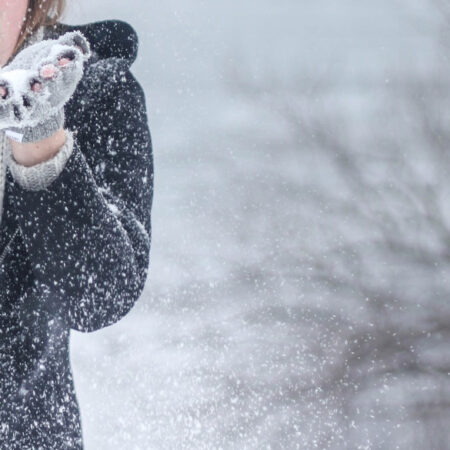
75,255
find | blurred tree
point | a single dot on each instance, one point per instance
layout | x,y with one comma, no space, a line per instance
374,240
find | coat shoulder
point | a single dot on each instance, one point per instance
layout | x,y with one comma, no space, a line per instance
107,38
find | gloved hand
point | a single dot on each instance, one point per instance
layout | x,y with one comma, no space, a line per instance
37,83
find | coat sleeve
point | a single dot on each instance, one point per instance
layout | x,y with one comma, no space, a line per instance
88,232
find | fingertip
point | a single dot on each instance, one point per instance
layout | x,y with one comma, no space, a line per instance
63,62
36,86
48,71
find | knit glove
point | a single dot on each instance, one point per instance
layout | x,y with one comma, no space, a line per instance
37,83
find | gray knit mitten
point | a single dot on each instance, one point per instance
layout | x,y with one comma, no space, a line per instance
37,83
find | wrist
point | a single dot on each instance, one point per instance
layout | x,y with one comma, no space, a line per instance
31,153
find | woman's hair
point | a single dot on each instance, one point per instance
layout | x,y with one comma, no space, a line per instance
39,12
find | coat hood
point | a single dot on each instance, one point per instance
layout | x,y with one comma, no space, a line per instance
108,38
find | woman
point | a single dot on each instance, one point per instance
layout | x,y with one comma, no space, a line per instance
76,189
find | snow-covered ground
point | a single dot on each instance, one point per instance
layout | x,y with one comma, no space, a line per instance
224,349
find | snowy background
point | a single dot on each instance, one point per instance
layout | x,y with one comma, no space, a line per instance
298,292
